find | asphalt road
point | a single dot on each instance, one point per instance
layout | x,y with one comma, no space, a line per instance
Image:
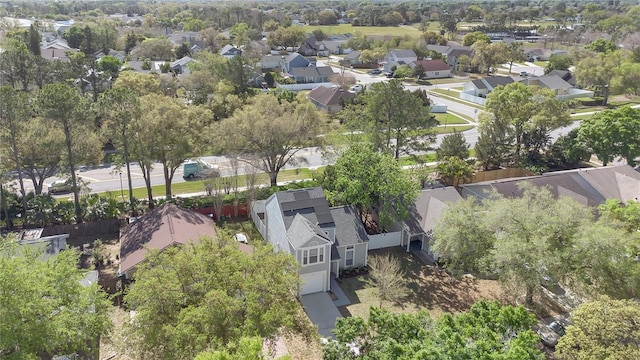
107,178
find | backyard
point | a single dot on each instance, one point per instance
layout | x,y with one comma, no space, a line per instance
429,288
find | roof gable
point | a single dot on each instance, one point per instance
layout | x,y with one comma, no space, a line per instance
163,226
432,65
330,95
303,233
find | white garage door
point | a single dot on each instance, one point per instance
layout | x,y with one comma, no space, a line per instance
312,282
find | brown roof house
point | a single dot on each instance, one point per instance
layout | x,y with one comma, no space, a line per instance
164,226
433,69
330,99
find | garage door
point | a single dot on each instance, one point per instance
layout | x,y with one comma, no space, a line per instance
312,282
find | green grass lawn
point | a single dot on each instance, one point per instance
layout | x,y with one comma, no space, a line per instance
453,96
542,64
450,129
196,186
366,30
449,119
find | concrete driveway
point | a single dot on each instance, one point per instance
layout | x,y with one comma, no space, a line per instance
322,312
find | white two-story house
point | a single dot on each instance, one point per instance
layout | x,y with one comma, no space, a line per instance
324,240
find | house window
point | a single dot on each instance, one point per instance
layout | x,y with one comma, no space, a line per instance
313,256
348,255
437,73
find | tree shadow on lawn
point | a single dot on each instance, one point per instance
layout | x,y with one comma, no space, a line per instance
433,289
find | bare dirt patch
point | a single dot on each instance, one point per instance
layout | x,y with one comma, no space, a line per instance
429,288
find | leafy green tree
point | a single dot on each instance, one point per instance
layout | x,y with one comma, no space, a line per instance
16,64
453,145
319,34
395,120
515,53
290,37
627,80
75,36
248,348
529,110
178,132
434,38
154,49
44,309
533,239
65,107
34,40
567,151
141,84
602,329
240,33
119,107
495,141
270,25
473,37
238,71
597,72
15,111
41,150
327,17
487,330
612,133
268,134
486,55
558,62
374,183
454,170
627,213
602,46
110,64
214,286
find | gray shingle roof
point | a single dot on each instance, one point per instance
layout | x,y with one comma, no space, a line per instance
495,81
354,55
302,231
349,227
403,53
428,207
308,202
553,82
330,95
589,187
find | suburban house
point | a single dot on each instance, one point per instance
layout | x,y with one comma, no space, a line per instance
590,187
330,99
565,75
294,60
433,69
542,54
332,45
229,51
353,58
271,63
452,54
418,229
477,90
180,66
324,240
311,74
309,46
164,226
562,89
399,57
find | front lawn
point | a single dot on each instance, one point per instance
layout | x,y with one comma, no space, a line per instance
429,289
449,119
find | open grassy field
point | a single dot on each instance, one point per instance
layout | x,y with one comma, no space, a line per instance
366,30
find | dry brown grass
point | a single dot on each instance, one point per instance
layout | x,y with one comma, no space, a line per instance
429,288
115,343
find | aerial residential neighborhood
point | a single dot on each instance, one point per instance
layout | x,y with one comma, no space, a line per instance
319,180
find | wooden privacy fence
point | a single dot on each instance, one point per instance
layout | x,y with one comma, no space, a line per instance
93,228
489,175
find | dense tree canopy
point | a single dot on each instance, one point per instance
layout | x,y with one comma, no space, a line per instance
214,286
612,133
535,239
487,330
396,119
602,329
532,112
44,308
373,182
